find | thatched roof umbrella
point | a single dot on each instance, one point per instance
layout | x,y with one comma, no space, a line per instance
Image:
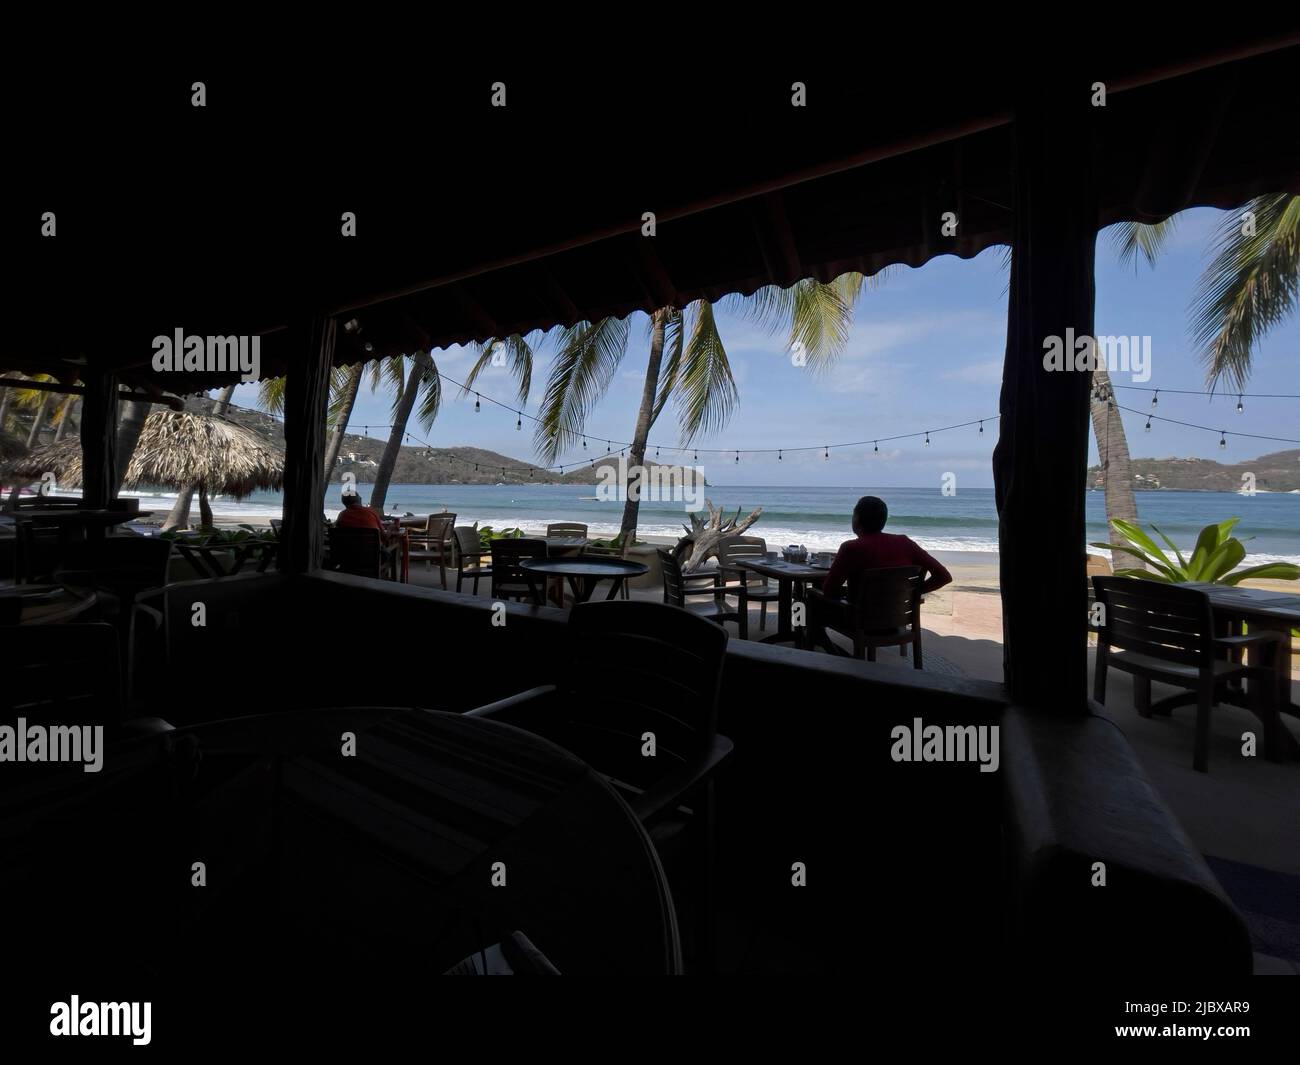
63,459
176,449
185,449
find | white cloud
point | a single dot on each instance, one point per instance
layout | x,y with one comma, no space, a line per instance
978,373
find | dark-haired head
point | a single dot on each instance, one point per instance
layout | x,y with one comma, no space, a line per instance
351,499
870,515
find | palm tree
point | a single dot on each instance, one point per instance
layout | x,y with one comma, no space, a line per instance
347,384
1250,286
687,362
424,383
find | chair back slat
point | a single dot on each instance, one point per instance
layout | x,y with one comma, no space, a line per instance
1162,620
507,553
469,548
566,528
886,599
440,528
674,586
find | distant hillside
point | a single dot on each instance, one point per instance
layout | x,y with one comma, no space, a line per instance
1278,472
360,456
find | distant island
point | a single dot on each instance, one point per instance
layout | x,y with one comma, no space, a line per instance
360,456
1278,472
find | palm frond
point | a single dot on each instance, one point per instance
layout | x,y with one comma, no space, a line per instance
424,375
704,387
270,394
588,355
1133,239
1249,287
674,339
518,351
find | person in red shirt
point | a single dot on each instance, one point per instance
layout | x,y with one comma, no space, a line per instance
355,515
871,549
874,549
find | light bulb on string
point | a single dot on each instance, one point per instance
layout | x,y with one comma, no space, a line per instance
697,456
737,458
656,451
1240,406
584,443
606,447
927,438
1155,398
1223,440
1147,427
477,406
778,455
876,449
519,420
827,453
981,427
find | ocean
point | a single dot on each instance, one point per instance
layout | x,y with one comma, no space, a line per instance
818,518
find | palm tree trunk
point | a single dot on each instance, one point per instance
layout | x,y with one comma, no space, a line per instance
205,510
134,412
5,394
644,421
349,398
65,416
38,420
1116,467
422,364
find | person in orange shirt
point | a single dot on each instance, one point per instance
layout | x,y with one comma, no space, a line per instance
356,515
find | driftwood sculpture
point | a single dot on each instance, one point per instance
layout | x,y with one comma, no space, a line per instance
701,540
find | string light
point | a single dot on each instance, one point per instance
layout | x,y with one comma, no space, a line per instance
778,455
981,427
927,438
827,455
519,421
1147,427
1223,440
477,406
1155,399
737,458
584,443
877,447
1240,406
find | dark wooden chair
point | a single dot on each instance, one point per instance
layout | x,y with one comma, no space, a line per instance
509,580
680,588
647,669
1167,633
469,556
358,551
575,529
882,609
751,587
436,543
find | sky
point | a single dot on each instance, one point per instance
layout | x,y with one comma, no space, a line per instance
925,351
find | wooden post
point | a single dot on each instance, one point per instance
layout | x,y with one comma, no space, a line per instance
1039,465
305,405
99,439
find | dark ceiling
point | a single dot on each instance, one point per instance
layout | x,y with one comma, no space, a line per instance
476,222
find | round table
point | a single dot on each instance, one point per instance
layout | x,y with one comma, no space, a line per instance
585,573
